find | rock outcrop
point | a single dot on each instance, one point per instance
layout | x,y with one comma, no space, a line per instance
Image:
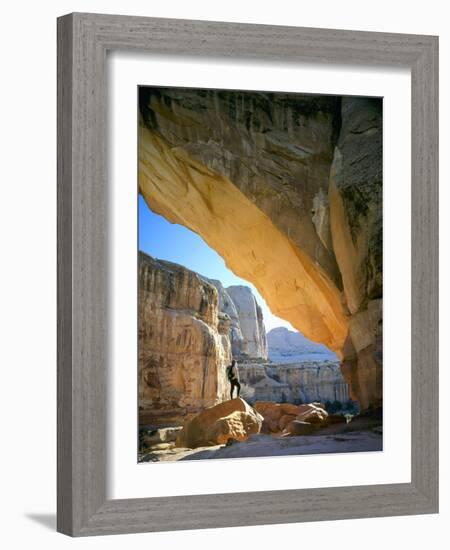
299,383
189,329
254,342
355,194
184,345
228,307
247,332
231,420
287,189
289,418
287,346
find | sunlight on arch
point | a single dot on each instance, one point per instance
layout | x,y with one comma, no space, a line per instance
173,242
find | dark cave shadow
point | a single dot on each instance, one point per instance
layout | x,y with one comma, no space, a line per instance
46,520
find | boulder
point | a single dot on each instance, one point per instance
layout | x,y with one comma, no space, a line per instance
273,425
336,419
298,427
233,419
312,414
289,408
271,413
262,406
278,415
237,426
161,435
285,420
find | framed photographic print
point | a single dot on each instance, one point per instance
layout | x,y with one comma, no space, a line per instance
247,274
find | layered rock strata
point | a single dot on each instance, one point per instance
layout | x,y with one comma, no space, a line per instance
189,330
184,345
247,330
228,307
287,189
296,383
254,345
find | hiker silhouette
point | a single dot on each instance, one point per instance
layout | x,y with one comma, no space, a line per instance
233,378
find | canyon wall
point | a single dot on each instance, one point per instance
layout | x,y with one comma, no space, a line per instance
251,323
295,383
184,345
355,194
247,332
189,330
287,189
228,307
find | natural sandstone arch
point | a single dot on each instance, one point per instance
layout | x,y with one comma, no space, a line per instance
287,188
187,192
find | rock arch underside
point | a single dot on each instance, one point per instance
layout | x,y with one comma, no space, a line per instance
287,189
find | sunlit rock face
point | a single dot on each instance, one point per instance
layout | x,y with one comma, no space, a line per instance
251,322
184,345
296,383
201,166
247,332
228,307
287,189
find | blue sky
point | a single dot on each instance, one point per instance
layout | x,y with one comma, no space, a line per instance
166,241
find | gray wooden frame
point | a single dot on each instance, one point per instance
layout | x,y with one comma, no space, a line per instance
83,40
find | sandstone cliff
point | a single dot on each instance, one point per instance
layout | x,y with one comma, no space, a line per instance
254,344
189,330
228,307
184,345
287,189
296,383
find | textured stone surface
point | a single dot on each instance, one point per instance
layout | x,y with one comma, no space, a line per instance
278,416
254,344
357,233
188,185
247,330
287,188
228,307
313,414
233,419
150,438
302,383
182,354
299,427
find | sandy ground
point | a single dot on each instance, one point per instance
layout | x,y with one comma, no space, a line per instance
359,437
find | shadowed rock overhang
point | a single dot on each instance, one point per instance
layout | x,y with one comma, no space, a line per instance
287,189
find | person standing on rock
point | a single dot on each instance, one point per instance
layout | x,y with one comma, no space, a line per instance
233,378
